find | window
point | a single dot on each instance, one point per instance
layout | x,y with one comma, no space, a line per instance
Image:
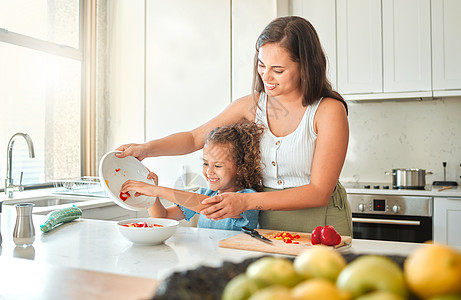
41,88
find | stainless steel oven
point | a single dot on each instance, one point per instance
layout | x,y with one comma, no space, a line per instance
392,217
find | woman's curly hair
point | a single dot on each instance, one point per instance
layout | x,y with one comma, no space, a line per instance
244,139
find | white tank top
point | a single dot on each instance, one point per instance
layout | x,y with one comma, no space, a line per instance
287,160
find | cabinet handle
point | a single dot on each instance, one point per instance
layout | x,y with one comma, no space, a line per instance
386,221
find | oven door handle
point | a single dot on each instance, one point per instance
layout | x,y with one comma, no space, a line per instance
386,221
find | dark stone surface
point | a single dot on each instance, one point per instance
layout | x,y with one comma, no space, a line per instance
208,283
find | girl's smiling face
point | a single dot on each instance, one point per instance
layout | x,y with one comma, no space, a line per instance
219,167
279,73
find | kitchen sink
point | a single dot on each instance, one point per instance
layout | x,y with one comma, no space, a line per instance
51,202
46,201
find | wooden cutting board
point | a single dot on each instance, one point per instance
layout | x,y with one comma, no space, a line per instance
244,241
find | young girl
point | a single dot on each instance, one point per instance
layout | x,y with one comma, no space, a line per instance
231,163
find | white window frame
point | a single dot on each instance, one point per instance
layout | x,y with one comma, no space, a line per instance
86,53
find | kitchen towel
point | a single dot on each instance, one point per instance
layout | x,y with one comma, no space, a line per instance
60,216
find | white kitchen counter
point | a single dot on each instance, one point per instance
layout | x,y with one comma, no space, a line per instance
430,191
87,202
97,246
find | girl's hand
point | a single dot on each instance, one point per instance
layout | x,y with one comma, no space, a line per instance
153,176
139,151
226,205
140,188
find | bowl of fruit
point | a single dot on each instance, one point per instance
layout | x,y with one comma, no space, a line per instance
147,231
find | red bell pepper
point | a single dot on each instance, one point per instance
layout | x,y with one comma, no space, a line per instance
287,237
315,237
326,235
124,196
330,236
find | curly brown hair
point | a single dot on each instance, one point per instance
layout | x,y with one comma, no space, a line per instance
244,141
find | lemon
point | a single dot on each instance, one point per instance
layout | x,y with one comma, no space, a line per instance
274,292
320,262
433,270
380,295
318,289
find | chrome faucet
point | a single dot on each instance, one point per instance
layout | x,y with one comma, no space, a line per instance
9,186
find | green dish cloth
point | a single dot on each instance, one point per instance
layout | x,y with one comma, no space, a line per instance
60,216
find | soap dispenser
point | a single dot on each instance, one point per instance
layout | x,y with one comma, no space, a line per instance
24,232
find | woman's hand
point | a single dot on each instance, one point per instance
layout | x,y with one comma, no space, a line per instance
140,188
226,205
139,151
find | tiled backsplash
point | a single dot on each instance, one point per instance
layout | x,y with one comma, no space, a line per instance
403,134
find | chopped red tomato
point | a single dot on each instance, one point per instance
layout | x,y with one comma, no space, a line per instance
117,170
142,224
124,196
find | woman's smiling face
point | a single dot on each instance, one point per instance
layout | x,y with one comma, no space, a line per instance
219,167
279,73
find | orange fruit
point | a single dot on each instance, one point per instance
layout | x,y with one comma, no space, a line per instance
433,270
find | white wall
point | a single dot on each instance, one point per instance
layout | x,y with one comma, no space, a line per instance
125,116
404,134
187,75
244,38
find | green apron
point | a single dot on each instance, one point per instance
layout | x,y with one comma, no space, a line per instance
337,213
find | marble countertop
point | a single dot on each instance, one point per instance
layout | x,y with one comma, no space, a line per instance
98,246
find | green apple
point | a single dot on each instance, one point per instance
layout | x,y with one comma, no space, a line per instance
370,273
273,292
239,288
320,262
272,270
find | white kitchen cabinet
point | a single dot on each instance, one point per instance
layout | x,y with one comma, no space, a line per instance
359,46
446,47
191,223
447,220
322,15
384,49
110,212
406,46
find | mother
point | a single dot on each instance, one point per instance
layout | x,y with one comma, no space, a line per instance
305,141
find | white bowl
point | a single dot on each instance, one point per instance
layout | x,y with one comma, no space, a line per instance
148,235
114,171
